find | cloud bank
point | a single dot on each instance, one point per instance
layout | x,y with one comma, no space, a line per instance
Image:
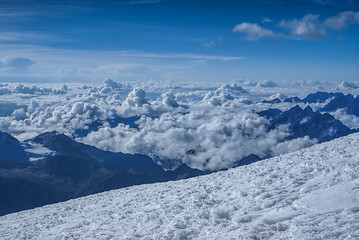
206,128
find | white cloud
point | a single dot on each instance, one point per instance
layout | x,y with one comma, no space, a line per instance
31,89
254,31
204,127
293,145
342,20
266,20
170,100
266,84
351,121
348,85
309,27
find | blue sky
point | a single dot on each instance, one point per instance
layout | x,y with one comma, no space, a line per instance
78,40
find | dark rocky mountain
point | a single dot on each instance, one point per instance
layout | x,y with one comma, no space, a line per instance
270,113
306,122
73,170
292,99
338,102
252,158
11,149
353,107
320,97
346,102
275,100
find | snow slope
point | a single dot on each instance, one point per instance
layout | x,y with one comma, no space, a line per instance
312,193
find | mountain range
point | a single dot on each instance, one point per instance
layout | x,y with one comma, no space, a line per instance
70,170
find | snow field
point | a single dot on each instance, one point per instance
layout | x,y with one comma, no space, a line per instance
312,193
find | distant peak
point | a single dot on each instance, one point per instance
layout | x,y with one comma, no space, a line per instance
6,138
308,109
296,107
48,134
47,137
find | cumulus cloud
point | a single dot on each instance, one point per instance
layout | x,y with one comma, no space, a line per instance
351,121
205,138
293,145
202,134
225,93
253,31
169,100
207,128
309,27
347,85
342,20
266,83
137,98
19,114
31,89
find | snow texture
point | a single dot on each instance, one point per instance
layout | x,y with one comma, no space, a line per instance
312,193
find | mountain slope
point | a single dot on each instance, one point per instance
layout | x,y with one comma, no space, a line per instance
66,147
71,170
320,97
338,102
11,150
308,194
353,107
306,122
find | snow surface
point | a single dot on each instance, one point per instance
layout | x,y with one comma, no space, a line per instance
312,193
36,151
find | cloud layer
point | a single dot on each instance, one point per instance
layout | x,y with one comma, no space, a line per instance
207,128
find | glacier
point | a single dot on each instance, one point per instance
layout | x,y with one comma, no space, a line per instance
312,193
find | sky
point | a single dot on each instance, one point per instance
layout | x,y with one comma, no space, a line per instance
179,40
